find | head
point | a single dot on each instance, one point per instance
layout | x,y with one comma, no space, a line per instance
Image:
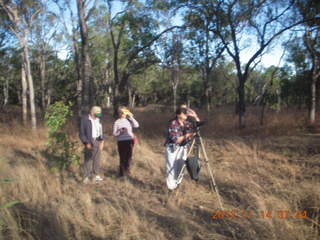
123,111
96,111
184,106
181,113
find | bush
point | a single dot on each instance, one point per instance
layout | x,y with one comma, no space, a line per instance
62,151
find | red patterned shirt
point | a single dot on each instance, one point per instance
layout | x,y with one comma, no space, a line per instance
176,130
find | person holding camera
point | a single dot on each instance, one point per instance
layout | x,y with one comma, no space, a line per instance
122,129
91,135
180,132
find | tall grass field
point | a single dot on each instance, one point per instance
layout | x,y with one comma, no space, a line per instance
268,178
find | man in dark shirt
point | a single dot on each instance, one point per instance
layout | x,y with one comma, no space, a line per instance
91,135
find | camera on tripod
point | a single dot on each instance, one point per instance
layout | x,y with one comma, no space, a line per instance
197,125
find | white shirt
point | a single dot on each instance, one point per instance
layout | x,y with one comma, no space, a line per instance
96,127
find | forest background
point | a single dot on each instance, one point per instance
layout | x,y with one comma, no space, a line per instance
133,53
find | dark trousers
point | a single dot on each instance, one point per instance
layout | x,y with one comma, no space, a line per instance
92,160
125,152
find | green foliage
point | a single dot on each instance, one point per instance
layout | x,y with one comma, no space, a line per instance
9,204
7,180
60,147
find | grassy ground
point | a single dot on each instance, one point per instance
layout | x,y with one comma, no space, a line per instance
265,175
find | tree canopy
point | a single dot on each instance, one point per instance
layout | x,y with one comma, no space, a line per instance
136,53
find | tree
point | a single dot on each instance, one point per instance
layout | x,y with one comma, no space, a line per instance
20,18
205,49
43,33
84,16
72,38
133,32
242,23
173,61
309,10
101,52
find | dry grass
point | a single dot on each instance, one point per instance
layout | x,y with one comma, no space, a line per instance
262,171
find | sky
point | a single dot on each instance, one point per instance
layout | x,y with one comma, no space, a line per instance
272,57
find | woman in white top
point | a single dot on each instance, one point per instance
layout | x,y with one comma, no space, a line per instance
122,129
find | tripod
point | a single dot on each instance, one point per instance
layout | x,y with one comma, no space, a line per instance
196,147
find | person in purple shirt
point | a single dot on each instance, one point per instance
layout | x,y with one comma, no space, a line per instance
122,129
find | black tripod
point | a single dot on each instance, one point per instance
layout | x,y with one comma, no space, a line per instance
196,148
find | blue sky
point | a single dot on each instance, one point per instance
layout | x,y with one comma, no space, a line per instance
272,57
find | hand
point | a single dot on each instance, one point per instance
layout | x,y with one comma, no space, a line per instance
193,114
123,130
101,145
130,115
88,146
189,135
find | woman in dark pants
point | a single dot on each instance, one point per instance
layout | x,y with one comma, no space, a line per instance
122,129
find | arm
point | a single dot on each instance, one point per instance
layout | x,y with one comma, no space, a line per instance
103,138
184,137
176,135
83,135
193,114
133,122
116,131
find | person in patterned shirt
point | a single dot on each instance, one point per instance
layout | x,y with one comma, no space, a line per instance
180,130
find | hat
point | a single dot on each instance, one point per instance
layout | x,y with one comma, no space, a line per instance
96,111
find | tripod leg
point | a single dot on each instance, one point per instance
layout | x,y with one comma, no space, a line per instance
184,164
180,175
213,183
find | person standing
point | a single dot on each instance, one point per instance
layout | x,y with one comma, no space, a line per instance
91,135
180,131
122,129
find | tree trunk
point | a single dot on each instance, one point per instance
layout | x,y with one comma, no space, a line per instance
174,89
77,66
208,84
115,101
116,84
241,105
108,101
24,106
208,97
312,114
42,66
27,67
5,93
131,98
310,43
85,58
278,92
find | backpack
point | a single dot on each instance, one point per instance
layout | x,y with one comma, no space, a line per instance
193,166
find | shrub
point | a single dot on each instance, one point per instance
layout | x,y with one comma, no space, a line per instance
62,151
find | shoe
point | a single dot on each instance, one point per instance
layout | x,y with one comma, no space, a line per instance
86,180
98,178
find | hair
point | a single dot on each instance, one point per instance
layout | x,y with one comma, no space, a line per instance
121,110
180,110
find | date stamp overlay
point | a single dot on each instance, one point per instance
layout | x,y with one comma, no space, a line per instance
274,214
